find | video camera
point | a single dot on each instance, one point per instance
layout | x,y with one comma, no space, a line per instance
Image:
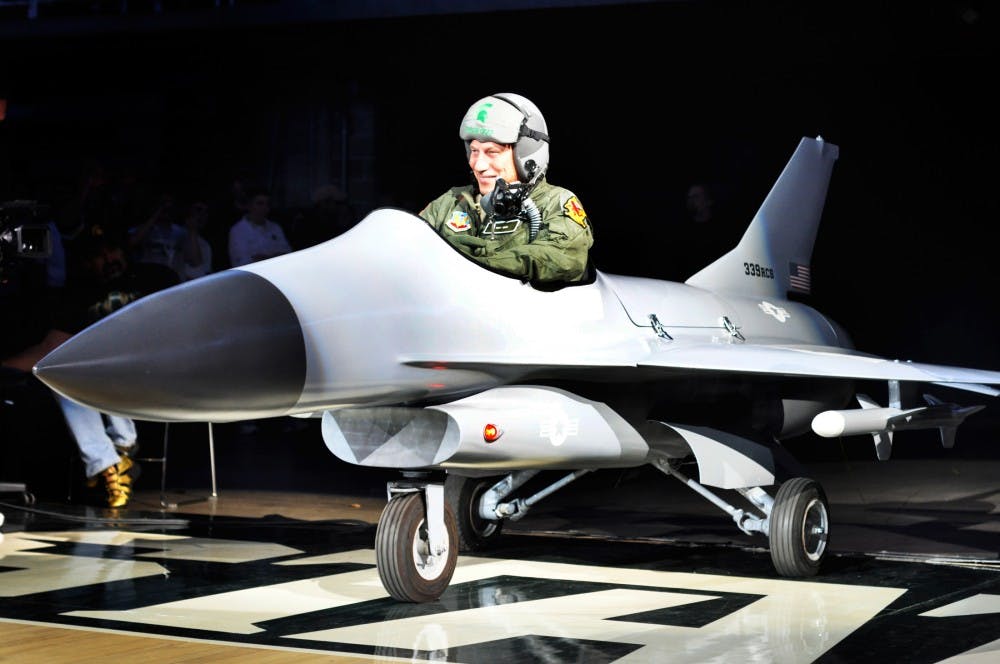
24,232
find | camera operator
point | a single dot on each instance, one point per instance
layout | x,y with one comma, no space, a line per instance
32,276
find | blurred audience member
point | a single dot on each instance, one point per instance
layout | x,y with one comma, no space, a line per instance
159,239
699,203
704,235
255,237
87,211
330,215
226,204
197,254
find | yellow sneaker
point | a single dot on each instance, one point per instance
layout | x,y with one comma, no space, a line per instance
117,482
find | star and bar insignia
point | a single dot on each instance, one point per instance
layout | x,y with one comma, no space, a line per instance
575,211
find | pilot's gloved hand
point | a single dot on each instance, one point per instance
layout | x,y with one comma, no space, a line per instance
466,240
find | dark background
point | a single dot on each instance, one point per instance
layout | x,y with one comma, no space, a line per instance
641,100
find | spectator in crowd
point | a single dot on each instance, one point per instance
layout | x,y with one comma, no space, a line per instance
227,203
255,237
702,233
330,215
196,256
87,210
159,239
699,203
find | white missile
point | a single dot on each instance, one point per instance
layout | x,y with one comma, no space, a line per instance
835,423
855,421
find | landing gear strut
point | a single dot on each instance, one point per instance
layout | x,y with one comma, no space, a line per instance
796,520
463,495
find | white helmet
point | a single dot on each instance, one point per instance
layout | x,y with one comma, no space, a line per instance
510,119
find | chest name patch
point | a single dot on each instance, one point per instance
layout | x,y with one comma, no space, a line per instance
502,227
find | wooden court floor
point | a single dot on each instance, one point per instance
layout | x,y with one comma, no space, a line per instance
289,577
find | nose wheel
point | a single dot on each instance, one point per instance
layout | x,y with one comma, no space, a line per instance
413,566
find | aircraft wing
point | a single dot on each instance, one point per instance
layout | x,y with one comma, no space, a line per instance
818,361
777,360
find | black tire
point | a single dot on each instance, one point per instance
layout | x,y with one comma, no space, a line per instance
462,495
799,528
401,547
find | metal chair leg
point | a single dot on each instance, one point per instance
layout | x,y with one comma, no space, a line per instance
162,460
163,468
211,458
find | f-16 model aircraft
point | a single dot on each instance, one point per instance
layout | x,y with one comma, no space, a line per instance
471,382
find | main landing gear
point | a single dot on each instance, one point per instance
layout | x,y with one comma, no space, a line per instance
427,523
796,520
463,495
799,527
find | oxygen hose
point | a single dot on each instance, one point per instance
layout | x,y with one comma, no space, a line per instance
534,218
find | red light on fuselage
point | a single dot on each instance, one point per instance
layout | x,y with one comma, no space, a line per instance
490,433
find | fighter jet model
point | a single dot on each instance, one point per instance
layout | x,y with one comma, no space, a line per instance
471,382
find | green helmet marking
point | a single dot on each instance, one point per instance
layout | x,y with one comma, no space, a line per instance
481,113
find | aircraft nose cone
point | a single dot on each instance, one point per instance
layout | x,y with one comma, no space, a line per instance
225,347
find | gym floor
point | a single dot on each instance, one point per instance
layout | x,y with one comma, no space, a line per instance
617,567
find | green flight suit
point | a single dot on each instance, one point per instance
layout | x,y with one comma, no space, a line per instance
558,253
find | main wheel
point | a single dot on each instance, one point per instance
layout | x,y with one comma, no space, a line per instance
409,570
799,528
462,494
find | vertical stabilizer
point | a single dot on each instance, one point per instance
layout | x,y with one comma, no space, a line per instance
773,258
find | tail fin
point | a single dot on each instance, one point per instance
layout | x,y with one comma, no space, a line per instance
773,256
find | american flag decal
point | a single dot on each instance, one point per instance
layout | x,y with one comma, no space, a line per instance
799,278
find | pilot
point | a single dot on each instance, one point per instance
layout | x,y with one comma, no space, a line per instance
511,219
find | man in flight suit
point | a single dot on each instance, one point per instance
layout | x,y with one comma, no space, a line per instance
512,220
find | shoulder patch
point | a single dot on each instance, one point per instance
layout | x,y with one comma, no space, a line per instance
575,211
458,221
